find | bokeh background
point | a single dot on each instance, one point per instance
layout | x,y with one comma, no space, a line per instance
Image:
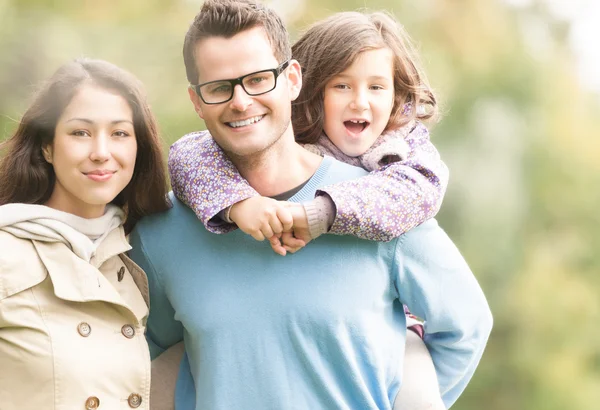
520,85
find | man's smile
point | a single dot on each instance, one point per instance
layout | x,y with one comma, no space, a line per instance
243,123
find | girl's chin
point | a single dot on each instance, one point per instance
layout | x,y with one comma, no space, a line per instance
353,152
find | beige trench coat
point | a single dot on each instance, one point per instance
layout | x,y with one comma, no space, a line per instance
72,332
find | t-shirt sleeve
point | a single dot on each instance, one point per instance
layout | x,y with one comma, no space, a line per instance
434,281
162,330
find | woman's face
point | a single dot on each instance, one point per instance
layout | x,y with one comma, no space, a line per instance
93,153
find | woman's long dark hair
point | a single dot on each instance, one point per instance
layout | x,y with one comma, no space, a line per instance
25,176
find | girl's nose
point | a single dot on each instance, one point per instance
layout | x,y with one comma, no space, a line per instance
360,101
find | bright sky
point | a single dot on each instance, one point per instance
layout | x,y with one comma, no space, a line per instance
584,16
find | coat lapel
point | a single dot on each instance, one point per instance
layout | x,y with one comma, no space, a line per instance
73,278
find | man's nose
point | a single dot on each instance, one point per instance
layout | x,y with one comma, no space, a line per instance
240,100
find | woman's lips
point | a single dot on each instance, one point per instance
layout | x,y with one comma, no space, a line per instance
100,176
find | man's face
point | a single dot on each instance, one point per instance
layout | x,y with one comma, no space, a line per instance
245,125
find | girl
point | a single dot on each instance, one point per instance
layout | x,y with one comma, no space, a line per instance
73,306
362,102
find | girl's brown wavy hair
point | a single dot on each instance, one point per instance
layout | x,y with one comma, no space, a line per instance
331,45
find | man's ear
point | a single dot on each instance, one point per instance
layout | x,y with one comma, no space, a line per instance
294,77
47,153
196,101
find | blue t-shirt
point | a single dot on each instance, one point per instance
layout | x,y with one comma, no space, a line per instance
320,329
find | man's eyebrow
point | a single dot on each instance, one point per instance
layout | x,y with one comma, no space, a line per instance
88,121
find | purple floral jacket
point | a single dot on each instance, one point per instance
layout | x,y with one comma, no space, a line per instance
380,206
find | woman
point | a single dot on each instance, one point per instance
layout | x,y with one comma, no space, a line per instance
83,166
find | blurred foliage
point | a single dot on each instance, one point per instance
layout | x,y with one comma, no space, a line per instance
520,135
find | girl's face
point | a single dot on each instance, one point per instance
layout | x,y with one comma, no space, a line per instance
93,152
359,101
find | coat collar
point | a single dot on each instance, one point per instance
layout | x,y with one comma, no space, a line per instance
79,281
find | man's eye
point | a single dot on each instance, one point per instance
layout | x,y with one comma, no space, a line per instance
219,89
257,80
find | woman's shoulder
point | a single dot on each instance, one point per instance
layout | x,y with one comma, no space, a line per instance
13,246
20,267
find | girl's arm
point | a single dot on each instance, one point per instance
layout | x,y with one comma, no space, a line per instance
395,198
205,180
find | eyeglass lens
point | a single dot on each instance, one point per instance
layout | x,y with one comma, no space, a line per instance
253,84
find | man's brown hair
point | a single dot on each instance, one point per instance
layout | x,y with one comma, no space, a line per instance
226,18
26,177
330,46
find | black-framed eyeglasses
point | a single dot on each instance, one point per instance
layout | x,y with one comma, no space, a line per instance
257,83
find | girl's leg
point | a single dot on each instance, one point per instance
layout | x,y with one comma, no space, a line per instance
420,389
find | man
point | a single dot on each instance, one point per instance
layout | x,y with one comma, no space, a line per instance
320,329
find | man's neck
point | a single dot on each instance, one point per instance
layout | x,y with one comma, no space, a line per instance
281,168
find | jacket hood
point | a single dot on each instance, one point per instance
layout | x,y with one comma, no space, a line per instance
44,224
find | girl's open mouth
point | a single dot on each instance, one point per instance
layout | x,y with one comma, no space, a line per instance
356,126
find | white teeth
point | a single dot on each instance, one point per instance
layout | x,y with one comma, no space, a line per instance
237,124
358,121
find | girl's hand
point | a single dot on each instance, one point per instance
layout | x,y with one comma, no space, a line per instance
300,224
262,218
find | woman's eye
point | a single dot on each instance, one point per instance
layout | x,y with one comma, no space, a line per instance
80,133
120,134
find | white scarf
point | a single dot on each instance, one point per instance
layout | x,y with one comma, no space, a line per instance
41,223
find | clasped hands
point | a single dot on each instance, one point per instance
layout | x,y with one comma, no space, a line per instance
283,223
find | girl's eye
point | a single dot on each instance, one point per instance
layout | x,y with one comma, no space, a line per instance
341,87
376,87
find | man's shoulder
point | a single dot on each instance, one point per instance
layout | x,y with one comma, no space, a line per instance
426,242
170,220
338,171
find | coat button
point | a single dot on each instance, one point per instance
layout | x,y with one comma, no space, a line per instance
128,331
134,400
92,403
84,329
121,273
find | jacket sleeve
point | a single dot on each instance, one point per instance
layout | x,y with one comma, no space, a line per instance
205,180
395,198
162,330
434,281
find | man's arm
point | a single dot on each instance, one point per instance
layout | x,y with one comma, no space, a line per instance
434,281
162,330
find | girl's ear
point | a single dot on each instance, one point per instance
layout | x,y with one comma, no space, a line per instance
294,77
196,101
47,153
